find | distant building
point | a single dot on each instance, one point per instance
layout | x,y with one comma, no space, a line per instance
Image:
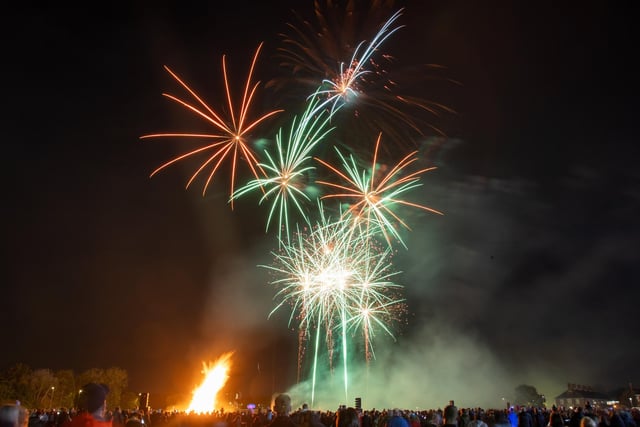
626,396
580,395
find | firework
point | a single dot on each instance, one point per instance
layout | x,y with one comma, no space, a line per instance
334,273
314,46
231,137
332,51
375,200
286,170
377,303
335,279
344,86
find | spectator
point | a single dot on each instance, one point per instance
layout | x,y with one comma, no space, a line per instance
463,418
92,405
398,419
348,417
525,419
450,415
432,419
282,409
13,415
576,416
588,422
501,419
117,418
555,420
477,420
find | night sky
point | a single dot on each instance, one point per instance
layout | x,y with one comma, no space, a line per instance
530,276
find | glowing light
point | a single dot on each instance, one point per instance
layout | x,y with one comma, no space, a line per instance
334,278
286,170
233,138
332,52
215,377
344,85
334,272
375,201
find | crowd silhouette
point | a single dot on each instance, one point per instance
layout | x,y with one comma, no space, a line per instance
283,416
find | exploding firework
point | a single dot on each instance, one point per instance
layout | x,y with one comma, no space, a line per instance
314,47
334,273
342,88
341,52
375,200
286,171
231,140
336,280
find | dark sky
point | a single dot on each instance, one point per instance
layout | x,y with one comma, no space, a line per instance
530,276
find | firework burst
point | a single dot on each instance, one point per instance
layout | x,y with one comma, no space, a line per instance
335,280
286,170
374,200
231,140
334,273
344,86
341,53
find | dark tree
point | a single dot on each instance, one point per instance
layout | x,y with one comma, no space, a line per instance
527,395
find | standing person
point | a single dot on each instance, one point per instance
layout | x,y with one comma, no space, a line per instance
117,418
463,418
525,419
538,418
555,419
450,416
576,416
477,419
282,409
348,417
397,419
63,418
92,405
501,419
13,415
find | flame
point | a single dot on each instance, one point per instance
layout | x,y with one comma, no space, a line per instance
216,375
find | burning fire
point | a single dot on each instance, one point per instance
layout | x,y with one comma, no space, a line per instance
215,377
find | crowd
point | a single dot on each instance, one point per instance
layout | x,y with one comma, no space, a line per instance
92,412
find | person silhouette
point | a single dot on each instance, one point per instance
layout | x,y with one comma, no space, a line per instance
282,409
92,406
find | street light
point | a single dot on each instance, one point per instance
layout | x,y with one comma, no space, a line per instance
53,389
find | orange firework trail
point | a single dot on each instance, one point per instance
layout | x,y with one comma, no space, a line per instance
374,201
231,140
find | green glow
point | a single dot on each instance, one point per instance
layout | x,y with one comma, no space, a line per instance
336,278
287,168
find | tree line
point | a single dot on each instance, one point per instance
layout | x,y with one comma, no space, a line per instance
48,389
